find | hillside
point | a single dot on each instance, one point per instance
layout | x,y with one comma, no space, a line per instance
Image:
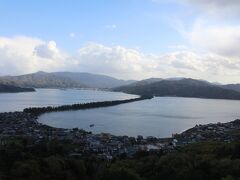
180,88
235,87
145,82
13,89
40,80
63,80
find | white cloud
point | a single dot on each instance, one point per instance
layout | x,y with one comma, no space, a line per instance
117,61
223,40
47,50
208,31
131,63
25,55
213,32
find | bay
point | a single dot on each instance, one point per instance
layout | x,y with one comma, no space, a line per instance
55,97
159,117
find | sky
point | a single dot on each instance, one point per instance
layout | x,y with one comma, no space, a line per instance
126,39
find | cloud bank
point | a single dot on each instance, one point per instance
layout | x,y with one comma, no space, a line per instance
20,55
223,40
26,54
216,7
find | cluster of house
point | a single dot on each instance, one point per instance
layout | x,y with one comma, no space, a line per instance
20,124
109,146
224,132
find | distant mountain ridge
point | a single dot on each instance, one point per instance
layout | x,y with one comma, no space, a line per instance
184,87
63,80
39,80
94,80
145,81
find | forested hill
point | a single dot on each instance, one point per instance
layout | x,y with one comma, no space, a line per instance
180,88
40,80
63,80
235,87
13,89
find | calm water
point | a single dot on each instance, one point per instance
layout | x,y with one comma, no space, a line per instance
54,97
158,117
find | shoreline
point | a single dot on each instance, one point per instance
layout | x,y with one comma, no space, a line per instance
25,125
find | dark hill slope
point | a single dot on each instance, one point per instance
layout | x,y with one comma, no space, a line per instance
13,89
235,87
181,88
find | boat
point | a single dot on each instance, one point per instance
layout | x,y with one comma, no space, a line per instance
91,125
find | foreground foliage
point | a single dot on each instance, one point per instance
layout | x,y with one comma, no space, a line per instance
21,160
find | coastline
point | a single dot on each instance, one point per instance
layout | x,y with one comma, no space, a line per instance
24,124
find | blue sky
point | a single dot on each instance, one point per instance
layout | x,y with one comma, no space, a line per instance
139,23
128,39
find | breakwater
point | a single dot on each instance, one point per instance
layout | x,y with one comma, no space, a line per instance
40,110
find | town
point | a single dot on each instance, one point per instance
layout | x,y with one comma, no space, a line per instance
107,146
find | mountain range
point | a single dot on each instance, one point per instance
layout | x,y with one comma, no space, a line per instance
63,80
183,87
